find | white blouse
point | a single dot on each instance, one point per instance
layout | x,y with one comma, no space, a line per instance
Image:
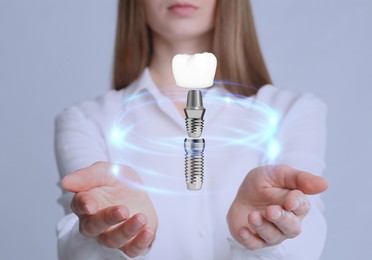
140,127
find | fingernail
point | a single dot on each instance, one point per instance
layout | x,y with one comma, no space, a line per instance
244,234
296,204
257,222
148,234
118,215
65,183
89,209
142,219
276,215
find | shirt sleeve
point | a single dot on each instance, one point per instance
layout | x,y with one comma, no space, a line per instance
301,138
79,142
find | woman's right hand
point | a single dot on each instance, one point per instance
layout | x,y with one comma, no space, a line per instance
111,207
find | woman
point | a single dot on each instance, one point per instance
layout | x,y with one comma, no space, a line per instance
128,200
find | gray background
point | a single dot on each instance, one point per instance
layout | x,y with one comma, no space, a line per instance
56,53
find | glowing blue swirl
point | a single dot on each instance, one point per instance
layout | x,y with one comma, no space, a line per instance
264,122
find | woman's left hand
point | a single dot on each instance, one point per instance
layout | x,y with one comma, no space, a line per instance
271,204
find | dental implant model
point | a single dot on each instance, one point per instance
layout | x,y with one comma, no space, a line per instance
194,72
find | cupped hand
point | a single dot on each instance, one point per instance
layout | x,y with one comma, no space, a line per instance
112,208
270,205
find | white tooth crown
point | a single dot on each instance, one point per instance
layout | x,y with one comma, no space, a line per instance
194,71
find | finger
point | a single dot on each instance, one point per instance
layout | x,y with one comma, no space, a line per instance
96,175
288,223
140,243
297,202
120,235
265,229
84,203
290,178
249,240
93,225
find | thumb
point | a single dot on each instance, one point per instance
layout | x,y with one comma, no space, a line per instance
290,178
96,175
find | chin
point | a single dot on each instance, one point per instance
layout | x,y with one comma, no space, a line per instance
189,32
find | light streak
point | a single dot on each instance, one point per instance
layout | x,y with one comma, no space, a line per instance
254,132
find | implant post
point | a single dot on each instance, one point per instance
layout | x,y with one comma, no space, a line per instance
194,112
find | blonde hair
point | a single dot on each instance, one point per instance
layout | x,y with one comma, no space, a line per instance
235,45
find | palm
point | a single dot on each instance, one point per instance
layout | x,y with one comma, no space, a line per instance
112,208
259,190
105,190
256,193
266,192
136,200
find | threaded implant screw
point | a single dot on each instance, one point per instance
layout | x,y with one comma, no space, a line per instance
194,127
194,163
